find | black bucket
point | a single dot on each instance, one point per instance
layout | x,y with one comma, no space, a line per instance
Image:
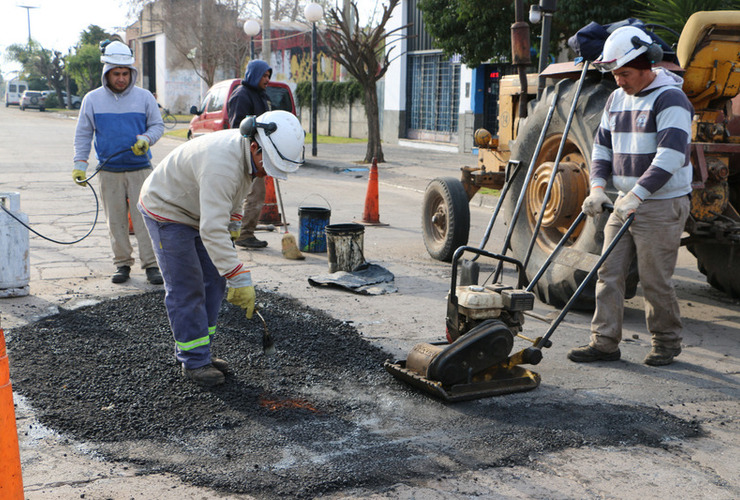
344,244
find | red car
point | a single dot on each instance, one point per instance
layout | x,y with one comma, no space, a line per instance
212,114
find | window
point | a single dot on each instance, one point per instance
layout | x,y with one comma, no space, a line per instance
279,98
218,99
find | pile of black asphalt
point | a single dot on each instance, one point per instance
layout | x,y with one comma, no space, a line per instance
320,416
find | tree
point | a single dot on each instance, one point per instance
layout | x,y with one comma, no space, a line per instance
46,66
93,35
673,14
362,53
459,26
207,33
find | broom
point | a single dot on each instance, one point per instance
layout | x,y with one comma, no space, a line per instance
290,247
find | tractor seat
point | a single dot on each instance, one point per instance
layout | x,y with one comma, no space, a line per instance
721,25
708,50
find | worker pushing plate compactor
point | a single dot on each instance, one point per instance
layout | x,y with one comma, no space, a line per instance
482,323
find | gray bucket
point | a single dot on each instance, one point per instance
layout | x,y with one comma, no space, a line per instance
344,245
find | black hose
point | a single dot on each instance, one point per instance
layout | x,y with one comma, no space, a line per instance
97,207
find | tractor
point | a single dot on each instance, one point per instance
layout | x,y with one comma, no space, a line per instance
708,56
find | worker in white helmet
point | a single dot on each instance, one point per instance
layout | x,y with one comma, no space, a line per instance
192,206
642,147
124,121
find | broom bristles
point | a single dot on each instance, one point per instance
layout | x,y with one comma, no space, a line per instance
290,248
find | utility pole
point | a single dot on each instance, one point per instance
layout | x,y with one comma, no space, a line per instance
266,33
28,15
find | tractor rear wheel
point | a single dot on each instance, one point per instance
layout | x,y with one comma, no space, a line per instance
445,217
570,188
720,264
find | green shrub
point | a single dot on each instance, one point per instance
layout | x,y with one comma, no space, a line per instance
52,101
329,93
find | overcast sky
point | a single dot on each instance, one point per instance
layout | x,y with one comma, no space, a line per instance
57,24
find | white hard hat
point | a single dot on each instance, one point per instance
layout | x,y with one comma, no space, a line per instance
281,137
117,53
624,45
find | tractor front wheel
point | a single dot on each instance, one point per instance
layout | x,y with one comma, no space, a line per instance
445,217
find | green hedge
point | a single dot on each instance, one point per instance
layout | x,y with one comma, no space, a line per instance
330,93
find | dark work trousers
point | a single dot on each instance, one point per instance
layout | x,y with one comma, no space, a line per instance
193,289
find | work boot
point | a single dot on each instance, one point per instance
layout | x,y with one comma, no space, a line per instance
205,376
250,242
220,364
122,274
661,355
588,354
153,276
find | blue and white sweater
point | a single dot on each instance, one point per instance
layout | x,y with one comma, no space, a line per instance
114,120
643,141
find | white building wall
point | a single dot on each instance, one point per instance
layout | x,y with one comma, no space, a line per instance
394,98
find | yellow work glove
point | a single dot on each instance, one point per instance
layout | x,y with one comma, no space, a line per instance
241,292
626,205
79,173
141,146
243,297
593,205
235,229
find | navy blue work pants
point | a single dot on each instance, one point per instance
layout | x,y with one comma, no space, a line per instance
193,288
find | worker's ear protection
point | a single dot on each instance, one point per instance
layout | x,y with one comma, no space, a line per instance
654,51
249,126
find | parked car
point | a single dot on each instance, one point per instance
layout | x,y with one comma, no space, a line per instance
212,114
14,90
33,99
76,100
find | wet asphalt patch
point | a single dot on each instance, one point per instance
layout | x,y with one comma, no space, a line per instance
320,416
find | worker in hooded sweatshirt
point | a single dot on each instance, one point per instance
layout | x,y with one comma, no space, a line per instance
250,98
642,146
192,207
124,121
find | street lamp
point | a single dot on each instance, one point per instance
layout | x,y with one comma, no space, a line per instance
313,12
252,29
28,15
545,9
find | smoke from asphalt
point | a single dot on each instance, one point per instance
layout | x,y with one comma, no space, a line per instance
320,416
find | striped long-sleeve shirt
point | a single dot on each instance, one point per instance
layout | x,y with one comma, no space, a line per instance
643,140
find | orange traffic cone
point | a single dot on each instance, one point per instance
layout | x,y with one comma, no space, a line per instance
371,217
11,481
270,213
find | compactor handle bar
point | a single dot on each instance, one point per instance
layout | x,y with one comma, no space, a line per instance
604,254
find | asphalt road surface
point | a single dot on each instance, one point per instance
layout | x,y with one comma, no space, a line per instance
606,430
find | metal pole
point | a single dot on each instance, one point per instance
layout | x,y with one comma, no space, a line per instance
28,16
314,97
544,51
251,48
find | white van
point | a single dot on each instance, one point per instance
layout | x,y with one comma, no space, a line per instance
13,91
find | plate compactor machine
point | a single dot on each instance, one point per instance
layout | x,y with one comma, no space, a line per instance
483,322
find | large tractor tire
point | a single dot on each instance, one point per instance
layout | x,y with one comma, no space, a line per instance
445,217
720,264
571,187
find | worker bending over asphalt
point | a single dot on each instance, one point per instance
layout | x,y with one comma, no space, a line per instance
642,145
191,205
